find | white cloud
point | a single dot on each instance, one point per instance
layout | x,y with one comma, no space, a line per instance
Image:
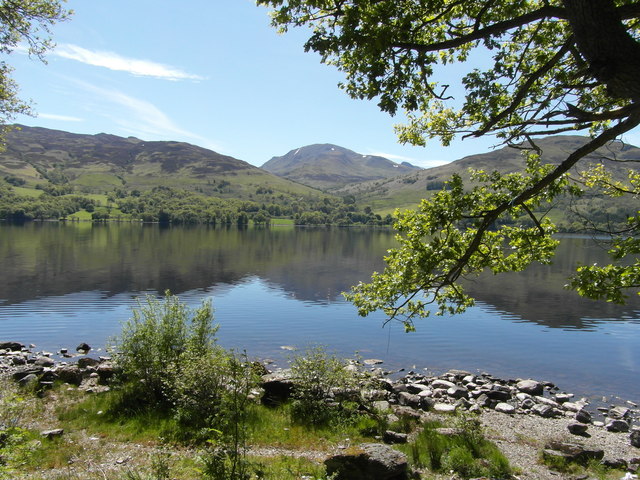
61,118
424,163
139,117
113,61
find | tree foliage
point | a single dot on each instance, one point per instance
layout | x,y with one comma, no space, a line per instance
24,23
549,66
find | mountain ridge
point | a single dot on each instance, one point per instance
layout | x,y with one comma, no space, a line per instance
328,166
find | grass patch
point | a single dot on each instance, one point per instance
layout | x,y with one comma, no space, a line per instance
463,450
27,192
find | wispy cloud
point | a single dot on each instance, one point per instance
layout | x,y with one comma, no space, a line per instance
424,163
139,117
61,118
114,61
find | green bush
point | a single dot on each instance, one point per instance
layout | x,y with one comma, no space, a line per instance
159,341
317,376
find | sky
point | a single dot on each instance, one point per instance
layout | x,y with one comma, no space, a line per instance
213,73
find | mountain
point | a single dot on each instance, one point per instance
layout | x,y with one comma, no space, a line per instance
407,191
102,162
327,166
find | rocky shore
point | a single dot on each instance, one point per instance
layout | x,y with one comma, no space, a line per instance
527,419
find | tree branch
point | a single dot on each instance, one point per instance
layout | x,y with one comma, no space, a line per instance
490,31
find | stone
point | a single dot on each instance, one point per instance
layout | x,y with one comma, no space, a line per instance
381,405
573,452
505,408
83,347
458,392
527,404
85,362
409,399
369,461
373,361
70,374
572,406
444,408
277,387
392,437
57,432
634,438
499,395
618,413
616,425
28,380
445,384
531,387
617,463
545,411
22,372
417,388
583,416
11,346
44,362
577,428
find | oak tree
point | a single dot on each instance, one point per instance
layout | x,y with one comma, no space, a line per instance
23,24
551,66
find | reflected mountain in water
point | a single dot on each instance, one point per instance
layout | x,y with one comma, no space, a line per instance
314,265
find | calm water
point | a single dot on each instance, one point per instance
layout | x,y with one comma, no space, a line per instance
63,284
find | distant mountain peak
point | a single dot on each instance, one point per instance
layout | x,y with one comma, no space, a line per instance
328,166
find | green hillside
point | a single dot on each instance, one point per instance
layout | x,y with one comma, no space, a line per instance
406,191
102,163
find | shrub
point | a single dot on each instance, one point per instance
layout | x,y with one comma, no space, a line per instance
317,376
157,343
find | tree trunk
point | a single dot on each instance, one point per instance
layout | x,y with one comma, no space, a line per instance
602,39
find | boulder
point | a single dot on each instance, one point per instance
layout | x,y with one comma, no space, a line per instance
57,432
577,428
409,399
545,411
505,408
616,425
83,347
11,346
394,437
369,461
572,452
583,416
70,374
634,438
619,413
277,387
44,362
85,362
531,387
458,392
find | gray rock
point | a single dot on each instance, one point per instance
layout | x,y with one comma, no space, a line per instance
458,392
531,387
57,432
577,428
370,461
409,399
545,411
498,394
573,452
44,362
444,408
277,387
83,347
618,413
616,425
28,380
634,438
445,384
583,416
70,374
85,362
394,437
11,346
617,463
505,408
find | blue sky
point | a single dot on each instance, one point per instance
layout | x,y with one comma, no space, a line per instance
209,72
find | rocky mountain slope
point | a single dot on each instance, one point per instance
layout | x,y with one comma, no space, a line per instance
328,166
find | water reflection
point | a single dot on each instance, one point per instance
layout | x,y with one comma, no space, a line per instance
316,265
